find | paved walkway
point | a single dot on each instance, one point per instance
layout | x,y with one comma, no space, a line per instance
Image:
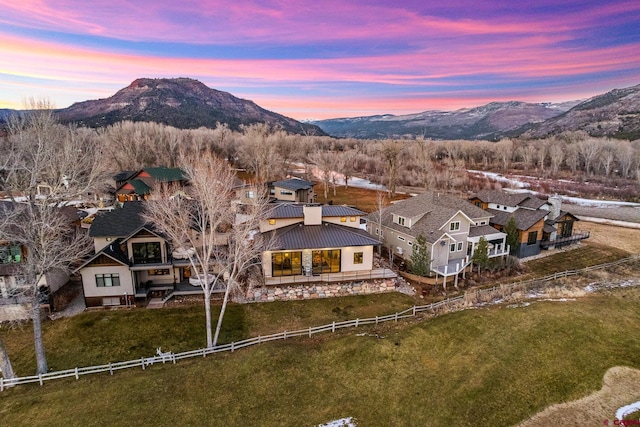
155,303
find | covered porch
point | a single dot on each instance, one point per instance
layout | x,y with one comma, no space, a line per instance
497,241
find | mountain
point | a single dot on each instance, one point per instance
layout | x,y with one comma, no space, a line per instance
615,113
183,103
489,121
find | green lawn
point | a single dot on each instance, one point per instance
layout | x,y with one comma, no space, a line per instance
486,367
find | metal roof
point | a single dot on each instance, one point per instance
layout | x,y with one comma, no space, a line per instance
327,235
296,210
293,184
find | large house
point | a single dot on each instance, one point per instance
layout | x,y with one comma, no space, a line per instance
541,224
138,185
317,243
452,228
132,261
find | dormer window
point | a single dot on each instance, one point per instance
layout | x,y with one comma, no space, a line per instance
454,226
402,221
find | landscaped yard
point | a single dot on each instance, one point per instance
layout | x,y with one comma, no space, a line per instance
484,367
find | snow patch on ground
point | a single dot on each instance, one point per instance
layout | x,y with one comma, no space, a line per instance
521,186
342,422
626,410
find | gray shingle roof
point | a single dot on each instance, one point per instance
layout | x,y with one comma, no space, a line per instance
482,230
525,218
327,235
118,222
510,199
432,209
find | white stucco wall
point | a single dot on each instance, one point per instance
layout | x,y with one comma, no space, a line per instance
89,281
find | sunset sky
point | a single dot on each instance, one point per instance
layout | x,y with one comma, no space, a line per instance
323,58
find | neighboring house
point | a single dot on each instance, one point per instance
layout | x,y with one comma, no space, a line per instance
317,243
132,261
133,186
451,226
541,223
293,190
14,255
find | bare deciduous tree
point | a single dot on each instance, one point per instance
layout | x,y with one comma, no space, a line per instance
556,155
391,153
209,222
64,164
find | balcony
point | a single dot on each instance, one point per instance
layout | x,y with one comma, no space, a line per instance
565,241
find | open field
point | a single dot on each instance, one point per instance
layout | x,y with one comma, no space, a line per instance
364,199
484,367
626,239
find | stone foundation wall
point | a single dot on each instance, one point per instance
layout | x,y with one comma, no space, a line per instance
320,290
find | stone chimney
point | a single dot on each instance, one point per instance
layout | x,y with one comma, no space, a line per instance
555,205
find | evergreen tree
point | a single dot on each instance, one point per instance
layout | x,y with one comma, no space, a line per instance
512,234
481,255
420,258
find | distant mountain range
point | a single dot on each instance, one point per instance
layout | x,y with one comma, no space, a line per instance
183,103
615,113
186,103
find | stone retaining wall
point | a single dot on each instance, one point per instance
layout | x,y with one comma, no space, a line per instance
320,290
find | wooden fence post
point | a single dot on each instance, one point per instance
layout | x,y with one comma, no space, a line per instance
110,370
40,378
333,326
77,376
142,361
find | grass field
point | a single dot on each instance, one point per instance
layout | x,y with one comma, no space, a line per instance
487,367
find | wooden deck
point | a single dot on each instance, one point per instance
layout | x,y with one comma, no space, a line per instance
349,276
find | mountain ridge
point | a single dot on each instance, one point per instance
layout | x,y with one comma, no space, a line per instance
615,114
179,102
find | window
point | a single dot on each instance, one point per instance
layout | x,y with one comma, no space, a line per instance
401,220
401,238
483,222
358,257
459,248
377,231
505,208
10,254
454,226
532,238
107,280
452,247
147,253
478,204
272,222
286,193
343,219
352,219
286,263
326,261
250,194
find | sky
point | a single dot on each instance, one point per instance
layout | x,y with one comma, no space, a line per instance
323,58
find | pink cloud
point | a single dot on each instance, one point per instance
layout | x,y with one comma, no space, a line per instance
251,21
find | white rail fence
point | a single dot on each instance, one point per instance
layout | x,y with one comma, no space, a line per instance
451,304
